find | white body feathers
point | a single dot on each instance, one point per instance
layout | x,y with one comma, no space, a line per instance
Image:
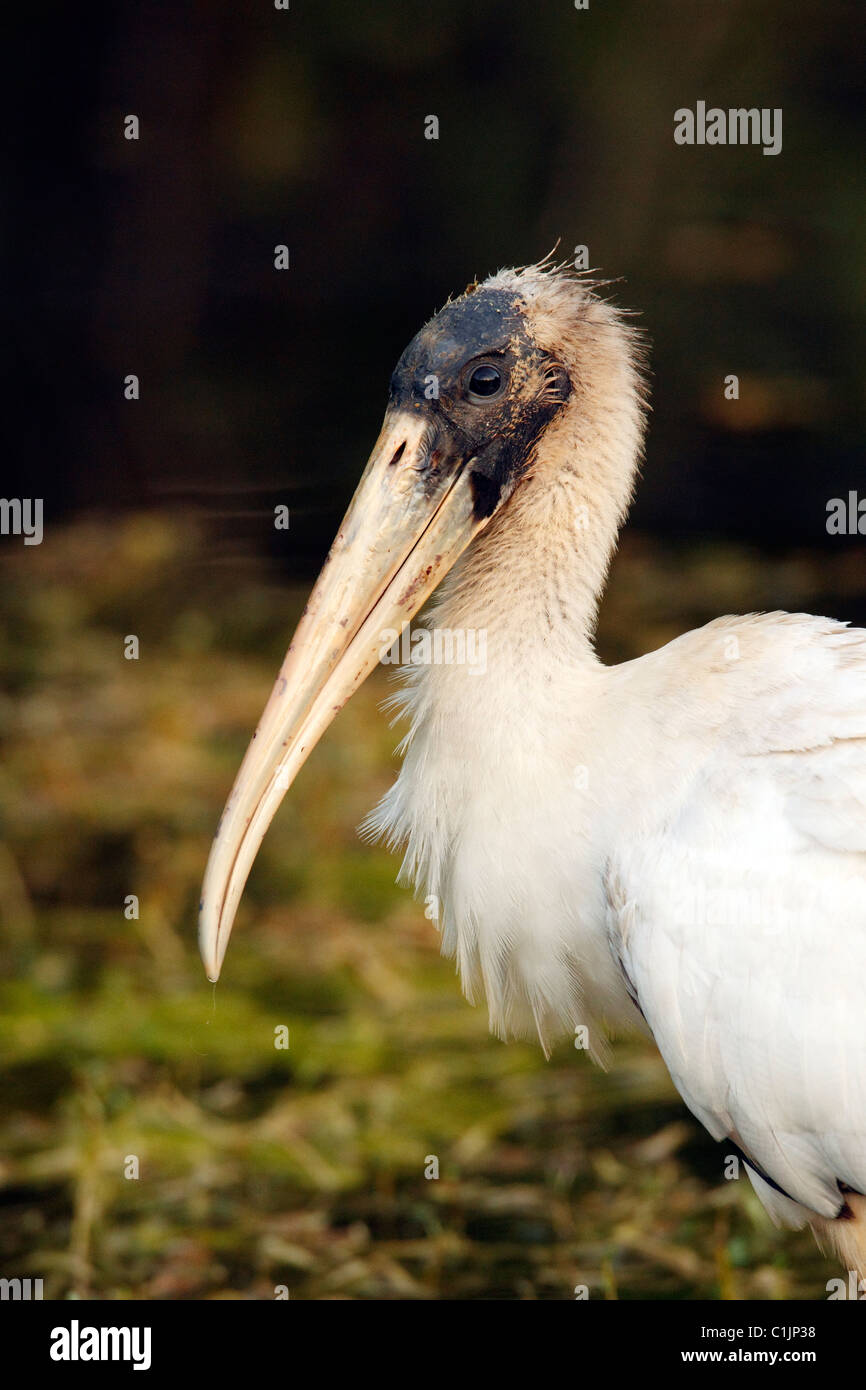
682,837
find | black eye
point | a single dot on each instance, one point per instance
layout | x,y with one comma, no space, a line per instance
485,381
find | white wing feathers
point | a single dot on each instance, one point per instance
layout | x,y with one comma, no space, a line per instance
739,913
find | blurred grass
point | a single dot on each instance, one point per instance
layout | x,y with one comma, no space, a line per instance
304,1166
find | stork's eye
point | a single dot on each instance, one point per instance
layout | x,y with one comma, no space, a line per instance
485,382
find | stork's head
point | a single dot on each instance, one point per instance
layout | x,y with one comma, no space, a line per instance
470,401
473,392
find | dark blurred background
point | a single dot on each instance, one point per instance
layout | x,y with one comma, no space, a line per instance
304,1168
306,127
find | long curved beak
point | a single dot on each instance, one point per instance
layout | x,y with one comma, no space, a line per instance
411,517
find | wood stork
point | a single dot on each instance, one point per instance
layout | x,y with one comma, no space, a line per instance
678,842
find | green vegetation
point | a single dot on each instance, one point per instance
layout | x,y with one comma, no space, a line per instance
303,1166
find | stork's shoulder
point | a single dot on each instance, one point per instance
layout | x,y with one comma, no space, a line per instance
764,682
735,892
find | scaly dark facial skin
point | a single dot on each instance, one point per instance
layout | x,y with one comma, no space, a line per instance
497,431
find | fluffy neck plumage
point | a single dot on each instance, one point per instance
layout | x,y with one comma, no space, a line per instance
485,748
544,557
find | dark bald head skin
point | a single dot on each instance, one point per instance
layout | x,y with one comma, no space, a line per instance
486,328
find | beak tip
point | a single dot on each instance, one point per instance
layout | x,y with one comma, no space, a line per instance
208,945
212,966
